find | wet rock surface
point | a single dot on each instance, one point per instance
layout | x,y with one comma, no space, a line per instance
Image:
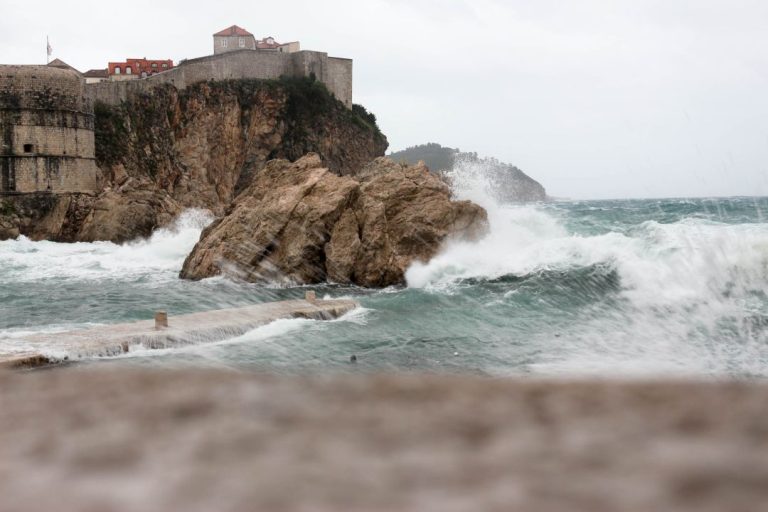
79,439
302,223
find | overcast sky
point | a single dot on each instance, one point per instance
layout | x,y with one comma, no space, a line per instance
595,98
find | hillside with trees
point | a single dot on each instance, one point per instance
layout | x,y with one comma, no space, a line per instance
508,183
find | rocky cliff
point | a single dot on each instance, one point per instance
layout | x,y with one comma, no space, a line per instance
301,223
167,150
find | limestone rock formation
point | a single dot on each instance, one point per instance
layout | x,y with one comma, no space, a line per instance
202,145
302,223
167,150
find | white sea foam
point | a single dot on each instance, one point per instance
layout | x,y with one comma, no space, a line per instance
161,254
659,264
684,287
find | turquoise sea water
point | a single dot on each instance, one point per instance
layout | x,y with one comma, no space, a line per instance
625,287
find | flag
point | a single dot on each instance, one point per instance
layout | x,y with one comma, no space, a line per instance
49,48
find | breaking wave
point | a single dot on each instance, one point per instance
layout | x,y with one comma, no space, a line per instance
160,255
685,295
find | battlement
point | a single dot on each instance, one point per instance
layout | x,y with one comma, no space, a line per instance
335,73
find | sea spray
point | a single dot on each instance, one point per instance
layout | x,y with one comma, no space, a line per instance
689,295
160,255
514,230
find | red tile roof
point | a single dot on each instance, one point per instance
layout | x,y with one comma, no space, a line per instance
234,30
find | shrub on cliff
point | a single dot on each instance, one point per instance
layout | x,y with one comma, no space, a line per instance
111,134
367,117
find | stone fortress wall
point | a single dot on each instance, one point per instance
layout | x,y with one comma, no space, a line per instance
46,131
47,139
335,73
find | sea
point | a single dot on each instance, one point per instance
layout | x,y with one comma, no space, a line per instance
613,288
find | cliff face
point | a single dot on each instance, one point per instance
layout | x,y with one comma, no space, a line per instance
167,150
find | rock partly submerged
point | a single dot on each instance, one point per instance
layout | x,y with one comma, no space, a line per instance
299,222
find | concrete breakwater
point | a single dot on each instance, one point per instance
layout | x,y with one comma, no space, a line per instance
164,332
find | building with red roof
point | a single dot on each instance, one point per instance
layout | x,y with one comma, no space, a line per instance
237,38
233,38
137,68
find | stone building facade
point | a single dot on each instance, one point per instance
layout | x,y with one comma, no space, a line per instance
46,132
236,38
232,39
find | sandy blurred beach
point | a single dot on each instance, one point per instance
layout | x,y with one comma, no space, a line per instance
76,439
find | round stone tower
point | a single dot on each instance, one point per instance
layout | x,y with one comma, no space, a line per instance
46,132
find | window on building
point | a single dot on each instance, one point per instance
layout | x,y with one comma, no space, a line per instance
29,148
128,70
223,43
154,64
117,70
241,42
165,65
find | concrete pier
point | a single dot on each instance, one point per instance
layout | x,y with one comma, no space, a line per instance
166,332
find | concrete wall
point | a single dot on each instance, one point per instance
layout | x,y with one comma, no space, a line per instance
335,73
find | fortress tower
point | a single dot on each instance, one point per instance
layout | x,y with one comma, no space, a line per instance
46,132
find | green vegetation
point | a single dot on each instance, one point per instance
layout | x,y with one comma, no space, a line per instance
307,101
508,182
437,157
7,208
111,134
140,132
367,117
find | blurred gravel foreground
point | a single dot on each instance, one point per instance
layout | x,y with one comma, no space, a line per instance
85,440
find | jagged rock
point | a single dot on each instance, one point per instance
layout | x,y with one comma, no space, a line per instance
302,223
117,216
120,217
9,228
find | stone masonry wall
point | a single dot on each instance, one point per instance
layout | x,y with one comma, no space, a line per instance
42,88
233,43
339,78
335,73
46,131
57,174
53,141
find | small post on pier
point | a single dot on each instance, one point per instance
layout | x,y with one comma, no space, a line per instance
311,297
161,320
